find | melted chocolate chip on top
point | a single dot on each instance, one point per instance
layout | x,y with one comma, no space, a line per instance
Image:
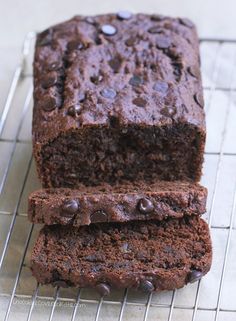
108,30
124,15
145,206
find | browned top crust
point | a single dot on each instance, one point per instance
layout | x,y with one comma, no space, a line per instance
91,71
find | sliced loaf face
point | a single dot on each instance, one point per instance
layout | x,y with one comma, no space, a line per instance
119,203
149,256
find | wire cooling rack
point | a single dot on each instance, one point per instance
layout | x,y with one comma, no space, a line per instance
213,298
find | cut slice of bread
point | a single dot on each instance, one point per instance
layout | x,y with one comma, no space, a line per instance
150,256
118,203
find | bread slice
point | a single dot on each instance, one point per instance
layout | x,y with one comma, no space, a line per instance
150,256
118,203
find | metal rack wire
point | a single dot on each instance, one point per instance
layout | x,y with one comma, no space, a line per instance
18,292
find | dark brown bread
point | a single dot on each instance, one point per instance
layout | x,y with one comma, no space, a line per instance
116,99
150,256
117,203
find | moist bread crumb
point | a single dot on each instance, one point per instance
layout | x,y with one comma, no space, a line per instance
149,256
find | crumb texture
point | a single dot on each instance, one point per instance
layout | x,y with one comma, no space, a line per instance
167,254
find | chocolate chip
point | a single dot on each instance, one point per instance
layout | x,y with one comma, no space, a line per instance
115,64
74,110
96,79
61,283
154,30
161,87
103,289
136,81
74,45
54,66
168,111
131,41
199,99
163,43
177,67
193,71
49,80
145,206
49,103
124,15
186,22
194,276
108,93
146,286
108,30
69,208
157,17
99,216
140,102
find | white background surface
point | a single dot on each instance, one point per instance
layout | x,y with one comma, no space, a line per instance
213,19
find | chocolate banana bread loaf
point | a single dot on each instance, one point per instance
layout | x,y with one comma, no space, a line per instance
118,97
117,203
150,256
